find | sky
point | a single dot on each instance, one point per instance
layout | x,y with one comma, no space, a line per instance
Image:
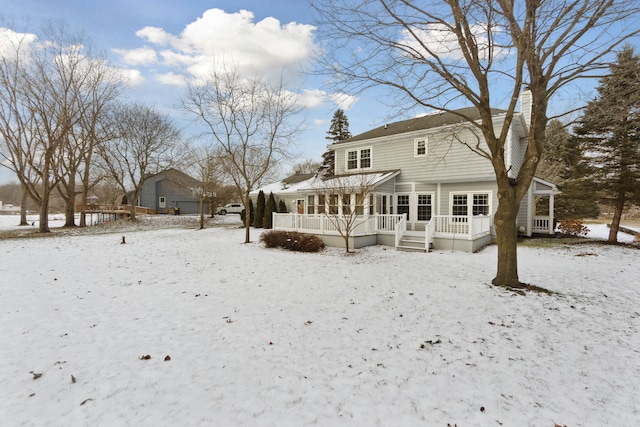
159,43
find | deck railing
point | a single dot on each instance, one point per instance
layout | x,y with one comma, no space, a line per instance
329,224
112,209
401,228
450,226
542,224
463,227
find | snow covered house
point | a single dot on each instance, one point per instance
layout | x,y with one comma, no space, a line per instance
415,184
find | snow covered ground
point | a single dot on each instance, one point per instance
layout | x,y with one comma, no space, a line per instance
265,337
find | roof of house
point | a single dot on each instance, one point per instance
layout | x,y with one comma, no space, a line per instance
176,176
434,120
355,181
293,179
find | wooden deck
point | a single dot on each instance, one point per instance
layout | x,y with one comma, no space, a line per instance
112,209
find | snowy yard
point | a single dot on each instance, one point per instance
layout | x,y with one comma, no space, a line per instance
264,337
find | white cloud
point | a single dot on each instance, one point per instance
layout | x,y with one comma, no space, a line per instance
155,35
172,79
131,77
442,42
10,41
343,100
312,98
139,56
267,46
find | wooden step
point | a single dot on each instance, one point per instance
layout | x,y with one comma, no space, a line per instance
410,249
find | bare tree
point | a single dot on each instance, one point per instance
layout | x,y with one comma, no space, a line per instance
208,170
146,142
99,87
305,167
342,201
438,52
249,119
48,89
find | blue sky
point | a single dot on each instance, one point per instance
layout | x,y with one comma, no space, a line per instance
141,36
159,43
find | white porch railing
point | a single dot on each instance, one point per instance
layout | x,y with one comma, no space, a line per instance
448,226
542,224
401,228
461,227
324,224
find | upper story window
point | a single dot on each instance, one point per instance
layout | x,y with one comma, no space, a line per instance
359,158
419,147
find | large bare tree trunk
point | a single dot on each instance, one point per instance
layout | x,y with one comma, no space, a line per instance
617,216
507,239
23,206
247,219
44,207
70,205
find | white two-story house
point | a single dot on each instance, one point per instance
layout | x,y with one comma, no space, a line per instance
415,184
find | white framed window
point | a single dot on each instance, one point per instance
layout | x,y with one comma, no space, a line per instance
424,207
162,202
310,205
459,205
480,203
420,147
360,158
333,204
402,204
365,158
321,203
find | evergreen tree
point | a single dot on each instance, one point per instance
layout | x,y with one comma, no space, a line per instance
282,206
267,221
609,135
562,164
259,214
243,215
338,131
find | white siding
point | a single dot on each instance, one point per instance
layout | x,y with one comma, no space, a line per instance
448,160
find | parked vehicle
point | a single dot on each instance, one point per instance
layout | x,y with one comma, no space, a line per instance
230,208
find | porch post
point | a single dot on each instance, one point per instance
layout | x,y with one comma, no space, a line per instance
552,214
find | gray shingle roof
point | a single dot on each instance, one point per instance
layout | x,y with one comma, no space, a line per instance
425,122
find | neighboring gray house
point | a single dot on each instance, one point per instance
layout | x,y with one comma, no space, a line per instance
424,187
171,192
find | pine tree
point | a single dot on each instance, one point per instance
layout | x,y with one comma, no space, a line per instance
338,131
609,135
282,206
243,215
562,164
260,207
267,221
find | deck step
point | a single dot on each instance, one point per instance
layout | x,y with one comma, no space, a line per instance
410,249
412,243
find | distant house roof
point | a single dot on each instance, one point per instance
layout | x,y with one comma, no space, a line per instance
434,120
294,179
176,176
312,182
371,180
